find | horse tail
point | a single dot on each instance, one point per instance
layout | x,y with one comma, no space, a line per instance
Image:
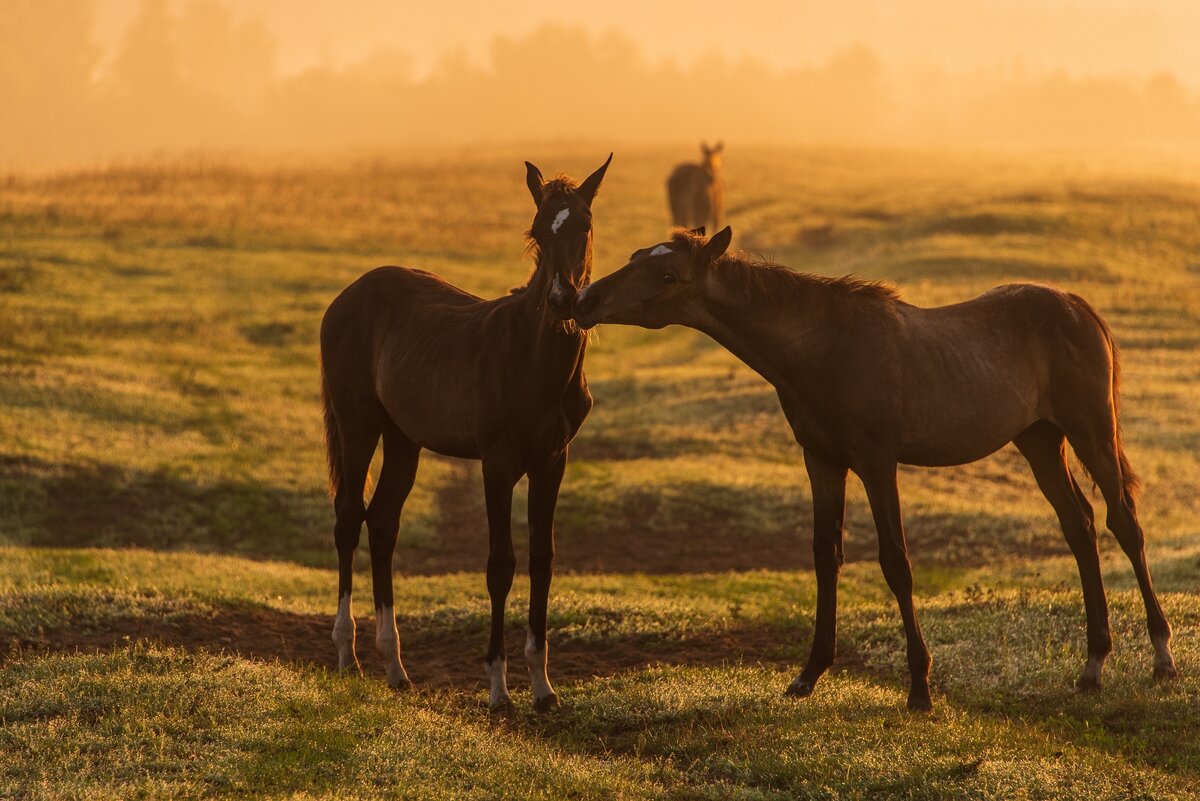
333,439
1130,482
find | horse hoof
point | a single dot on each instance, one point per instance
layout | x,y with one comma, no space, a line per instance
502,709
1087,684
919,701
403,686
546,703
799,689
1165,672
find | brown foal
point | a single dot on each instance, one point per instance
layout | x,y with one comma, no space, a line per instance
413,360
868,381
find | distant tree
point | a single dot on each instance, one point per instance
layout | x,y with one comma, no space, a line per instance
146,68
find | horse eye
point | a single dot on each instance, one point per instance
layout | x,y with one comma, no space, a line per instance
668,278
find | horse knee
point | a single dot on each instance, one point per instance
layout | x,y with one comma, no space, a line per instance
1128,532
500,570
541,559
897,571
828,549
382,532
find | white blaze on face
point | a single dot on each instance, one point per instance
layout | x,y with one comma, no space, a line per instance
497,671
538,679
387,642
661,250
559,219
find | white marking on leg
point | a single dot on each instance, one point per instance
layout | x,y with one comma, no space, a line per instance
559,219
387,643
1092,671
497,671
343,634
1164,662
538,679
661,250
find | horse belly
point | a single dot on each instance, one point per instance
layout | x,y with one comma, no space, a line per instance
436,417
963,424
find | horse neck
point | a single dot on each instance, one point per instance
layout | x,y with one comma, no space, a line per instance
781,341
558,344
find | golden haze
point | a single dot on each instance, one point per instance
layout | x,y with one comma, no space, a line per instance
88,80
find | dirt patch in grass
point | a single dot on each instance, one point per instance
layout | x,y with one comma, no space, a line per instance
437,658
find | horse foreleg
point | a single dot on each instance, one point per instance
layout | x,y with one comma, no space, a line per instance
499,478
879,480
829,507
1101,455
543,497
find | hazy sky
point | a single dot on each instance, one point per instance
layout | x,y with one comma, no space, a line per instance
1081,36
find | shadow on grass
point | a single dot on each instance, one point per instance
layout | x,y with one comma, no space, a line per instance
447,655
693,526
88,506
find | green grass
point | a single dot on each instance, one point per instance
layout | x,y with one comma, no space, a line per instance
163,509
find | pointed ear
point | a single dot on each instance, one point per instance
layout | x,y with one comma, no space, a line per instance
719,146
587,190
533,177
697,231
715,248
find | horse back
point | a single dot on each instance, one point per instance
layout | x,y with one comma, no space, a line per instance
978,373
411,341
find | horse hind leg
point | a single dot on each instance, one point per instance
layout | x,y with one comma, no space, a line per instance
359,432
500,475
1044,446
1101,453
400,458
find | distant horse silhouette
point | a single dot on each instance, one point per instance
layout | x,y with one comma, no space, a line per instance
410,358
868,381
696,192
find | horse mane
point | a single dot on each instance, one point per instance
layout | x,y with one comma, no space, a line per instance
763,279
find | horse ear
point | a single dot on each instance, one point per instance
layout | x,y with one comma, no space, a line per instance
587,190
533,177
715,248
697,231
719,146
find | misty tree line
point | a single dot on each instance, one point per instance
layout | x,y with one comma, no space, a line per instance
203,78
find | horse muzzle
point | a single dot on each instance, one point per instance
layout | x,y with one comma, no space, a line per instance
561,298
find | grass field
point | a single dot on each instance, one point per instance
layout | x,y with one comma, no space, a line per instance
166,582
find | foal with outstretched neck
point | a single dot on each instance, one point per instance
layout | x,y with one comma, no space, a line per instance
413,360
867,381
